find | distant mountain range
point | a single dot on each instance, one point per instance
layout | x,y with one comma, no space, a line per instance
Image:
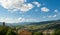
31,23
45,22
46,25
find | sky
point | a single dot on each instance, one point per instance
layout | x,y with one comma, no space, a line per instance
15,11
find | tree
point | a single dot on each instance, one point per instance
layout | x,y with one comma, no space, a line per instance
56,32
3,30
38,33
7,31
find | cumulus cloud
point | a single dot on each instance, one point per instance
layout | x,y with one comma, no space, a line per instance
37,3
56,10
49,16
44,9
17,20
44,16
26,7
8,20
20,19
36,10
52,16
16,4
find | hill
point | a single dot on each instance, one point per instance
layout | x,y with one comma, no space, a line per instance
46,25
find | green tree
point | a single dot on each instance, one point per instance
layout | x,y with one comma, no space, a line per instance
38,33
10,32
56,32
7,31
3,31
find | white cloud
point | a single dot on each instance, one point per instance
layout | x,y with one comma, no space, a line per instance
8,20
44,9
37,3
54,15
36,10
16,4
56,10
44,16
26,7
20,19
17,20
49,16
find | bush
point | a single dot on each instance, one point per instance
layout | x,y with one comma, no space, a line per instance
56,32
6,31
38,33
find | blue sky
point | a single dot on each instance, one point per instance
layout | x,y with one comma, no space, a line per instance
14,11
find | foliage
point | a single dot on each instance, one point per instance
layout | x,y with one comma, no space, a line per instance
56,32
6,31
38,33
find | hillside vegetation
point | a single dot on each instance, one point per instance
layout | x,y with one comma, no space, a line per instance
6,31
35,28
